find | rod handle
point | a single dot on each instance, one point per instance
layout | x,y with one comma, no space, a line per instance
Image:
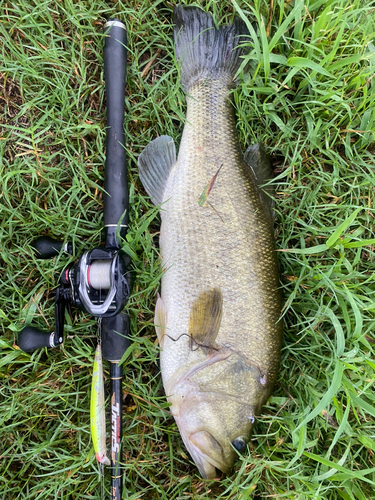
116,198
115,337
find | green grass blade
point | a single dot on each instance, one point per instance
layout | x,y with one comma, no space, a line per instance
341,228
331,391
303,62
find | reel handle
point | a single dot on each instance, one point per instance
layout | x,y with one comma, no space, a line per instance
116,196
46,247
30,339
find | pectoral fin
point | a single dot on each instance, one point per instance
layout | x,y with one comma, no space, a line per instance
259,162
205,318
154,164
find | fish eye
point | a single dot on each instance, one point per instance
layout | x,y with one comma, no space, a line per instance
239,443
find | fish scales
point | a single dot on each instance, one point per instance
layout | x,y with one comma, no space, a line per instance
227,243
221,274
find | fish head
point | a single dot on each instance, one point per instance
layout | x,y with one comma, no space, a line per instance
213,427
215,410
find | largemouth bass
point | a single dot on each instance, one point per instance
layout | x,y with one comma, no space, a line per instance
217,318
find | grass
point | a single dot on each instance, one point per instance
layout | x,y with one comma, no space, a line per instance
308,93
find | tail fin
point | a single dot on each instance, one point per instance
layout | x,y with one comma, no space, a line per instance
203,51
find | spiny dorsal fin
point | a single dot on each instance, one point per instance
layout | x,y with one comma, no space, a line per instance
260,163
205,318
154,165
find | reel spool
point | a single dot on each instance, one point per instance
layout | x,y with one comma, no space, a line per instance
101,282
99,275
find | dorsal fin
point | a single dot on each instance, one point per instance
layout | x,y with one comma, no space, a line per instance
154,165
260,163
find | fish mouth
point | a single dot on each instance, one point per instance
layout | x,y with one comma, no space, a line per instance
206,466
206,452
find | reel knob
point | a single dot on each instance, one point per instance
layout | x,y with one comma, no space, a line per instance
46,247
30,339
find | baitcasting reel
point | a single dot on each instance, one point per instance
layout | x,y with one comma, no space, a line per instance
99,283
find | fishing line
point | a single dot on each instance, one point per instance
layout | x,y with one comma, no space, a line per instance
192,339
99,332
102,490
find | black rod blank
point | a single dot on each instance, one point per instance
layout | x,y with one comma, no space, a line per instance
116,197
115,330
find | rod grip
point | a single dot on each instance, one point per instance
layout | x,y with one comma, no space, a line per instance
116,198
115,337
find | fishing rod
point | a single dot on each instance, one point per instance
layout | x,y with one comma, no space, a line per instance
100,282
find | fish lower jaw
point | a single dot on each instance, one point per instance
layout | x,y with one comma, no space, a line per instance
208,468
208,465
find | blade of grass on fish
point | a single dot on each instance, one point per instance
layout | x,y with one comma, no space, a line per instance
206,191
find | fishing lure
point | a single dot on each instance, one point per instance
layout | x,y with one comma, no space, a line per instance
97,410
